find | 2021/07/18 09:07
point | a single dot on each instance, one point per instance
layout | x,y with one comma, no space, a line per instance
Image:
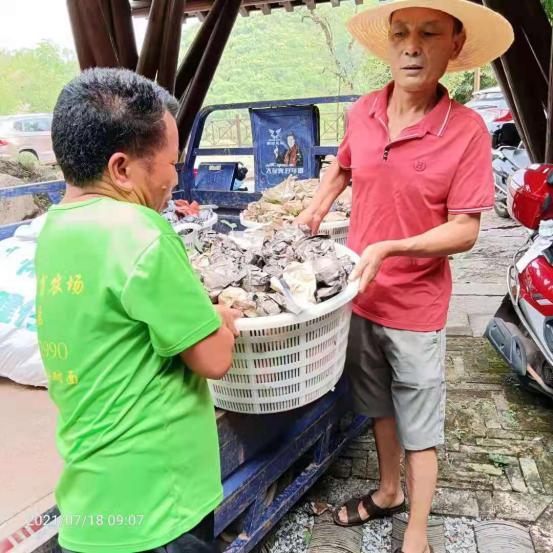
90,520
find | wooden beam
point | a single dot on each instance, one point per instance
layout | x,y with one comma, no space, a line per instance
98,29
195,95
170,46
335,3
266,9
530,112
501,77
244,12
123,33
288,6
549,131
85,54
105,9
502,80
537,29
523,76
148,60
310,4
196,50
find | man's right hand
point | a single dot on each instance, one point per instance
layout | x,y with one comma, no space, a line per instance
229,317
335,181
311,219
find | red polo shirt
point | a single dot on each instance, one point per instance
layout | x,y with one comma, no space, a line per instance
405,187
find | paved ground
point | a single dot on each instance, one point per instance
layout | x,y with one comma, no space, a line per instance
498,461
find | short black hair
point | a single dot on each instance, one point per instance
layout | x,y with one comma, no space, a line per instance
103,111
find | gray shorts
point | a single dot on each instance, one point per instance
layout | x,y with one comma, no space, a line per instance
401,374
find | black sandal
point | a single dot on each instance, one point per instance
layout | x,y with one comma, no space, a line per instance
374,511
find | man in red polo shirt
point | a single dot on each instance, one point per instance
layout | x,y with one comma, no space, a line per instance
420,166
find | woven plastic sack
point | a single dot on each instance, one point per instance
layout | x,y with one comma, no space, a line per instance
19,353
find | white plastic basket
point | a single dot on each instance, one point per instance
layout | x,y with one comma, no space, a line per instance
337,230
191,238
286,361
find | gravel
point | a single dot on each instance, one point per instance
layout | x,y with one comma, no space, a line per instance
377,536
293,534
459,535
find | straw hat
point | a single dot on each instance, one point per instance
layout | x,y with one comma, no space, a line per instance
489,34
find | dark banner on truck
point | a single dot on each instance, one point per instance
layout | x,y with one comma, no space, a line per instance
284,139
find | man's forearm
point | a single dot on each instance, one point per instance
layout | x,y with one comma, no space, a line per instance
333,184
455,236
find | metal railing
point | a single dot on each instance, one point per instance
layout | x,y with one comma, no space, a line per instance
236,132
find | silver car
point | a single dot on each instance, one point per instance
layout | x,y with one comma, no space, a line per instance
492,106
27,133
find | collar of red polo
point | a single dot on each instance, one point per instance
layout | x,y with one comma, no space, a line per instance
434,122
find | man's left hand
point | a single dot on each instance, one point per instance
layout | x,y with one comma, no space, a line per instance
369,264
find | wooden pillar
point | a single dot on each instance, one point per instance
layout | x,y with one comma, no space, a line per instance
502,79
549,132
525,96
196,50
171,45
103,33
148,60
97,29
192,101
536,26
477,79
123,33
85,52
238,130
522,74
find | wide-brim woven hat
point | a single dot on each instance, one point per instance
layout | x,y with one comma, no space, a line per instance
489,34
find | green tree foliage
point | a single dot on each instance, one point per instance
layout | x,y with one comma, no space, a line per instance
461,85
292,55
32,78
301,54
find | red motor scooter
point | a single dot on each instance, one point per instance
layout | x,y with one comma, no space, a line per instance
522,329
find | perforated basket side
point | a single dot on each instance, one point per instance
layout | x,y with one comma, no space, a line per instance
277,369
338,234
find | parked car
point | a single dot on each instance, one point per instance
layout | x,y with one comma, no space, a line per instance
491,105
27,133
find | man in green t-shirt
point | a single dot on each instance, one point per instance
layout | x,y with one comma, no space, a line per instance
127,334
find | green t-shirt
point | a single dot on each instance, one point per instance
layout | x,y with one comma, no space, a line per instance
117,301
